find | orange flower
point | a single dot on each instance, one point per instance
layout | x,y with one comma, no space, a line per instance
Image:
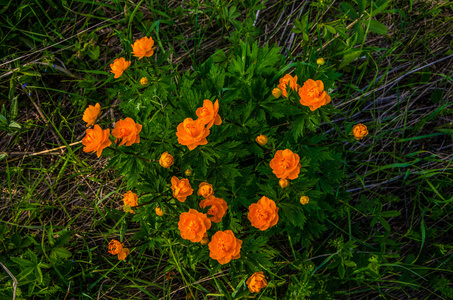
127,130
359,131
181,188
119,66
91,114
143,81
159,211
205,190
284,81
256,282
130,199
304,200
96,139
166,160
143,47
263,214
192,133
218,208
261,139
283,183
193,225
115,247
285,164
277,93
209,113
312,94
224,247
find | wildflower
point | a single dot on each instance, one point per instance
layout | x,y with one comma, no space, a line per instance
143,47
127,130
193,225
304,200
131,200
204,240
312,94
91,114
285,164
320,61
224,247
188,172
166,160
209,113
192,133
205,190
256,282
159,211
277,93
261,139
218,208
284,81
181,188
24,85
115,247
283,183
144,81
263,214
96,139
119,66
359,131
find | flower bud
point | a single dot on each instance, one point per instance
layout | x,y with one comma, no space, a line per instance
283,183
277,93
188,172
304,200
166,160
204,240
359,131
144,81
261,139
159,211
320,61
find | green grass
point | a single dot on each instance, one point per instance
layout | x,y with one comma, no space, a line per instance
399,209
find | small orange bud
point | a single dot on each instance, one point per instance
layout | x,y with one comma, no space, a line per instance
320,61
359,131
204,240
188,172
159,211
166,160
283,183
304,200
144,81
261,139
277,93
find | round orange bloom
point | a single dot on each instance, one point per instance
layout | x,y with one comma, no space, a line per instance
127,130
209,113
256,282
284,81
143,81
96,139
143,47
115,247
205,190
91,114
119,66
261,139
122,255
312,94
283,183
359,131
192,133
193,225
263,214
130,199
218,208
166,160
285,164
304,200
277,93
224,247
181,188
159,211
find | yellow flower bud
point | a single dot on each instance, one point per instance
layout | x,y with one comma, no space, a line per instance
261,139
127,208
304,200
277,93
283,183
166,160
204,241
144,81
188,172
159,211
320,61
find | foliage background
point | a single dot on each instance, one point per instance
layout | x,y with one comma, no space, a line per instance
58,207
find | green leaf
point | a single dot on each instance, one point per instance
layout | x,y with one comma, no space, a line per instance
14,109
349,57
363,4
330,29
349,10
381,6
390,214
63,239
341,270
378,27
60,253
